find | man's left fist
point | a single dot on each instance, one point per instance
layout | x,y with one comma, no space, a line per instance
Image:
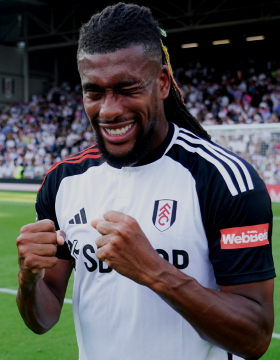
125,248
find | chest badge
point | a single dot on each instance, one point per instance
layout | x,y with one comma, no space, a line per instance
164,214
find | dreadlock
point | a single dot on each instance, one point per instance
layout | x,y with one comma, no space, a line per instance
175,108
123,25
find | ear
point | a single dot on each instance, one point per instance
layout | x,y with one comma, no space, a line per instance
165,82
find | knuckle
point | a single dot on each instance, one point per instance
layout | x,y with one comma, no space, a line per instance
45,224
53,250
121,229
20,240
115,242
99,228
114,239
109,263
98,254
53,238
30,262
99,225
24,228
106,214
50,225
98,241
109,253
21,252
129,220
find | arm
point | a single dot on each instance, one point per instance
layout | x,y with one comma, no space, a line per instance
238,318
42,277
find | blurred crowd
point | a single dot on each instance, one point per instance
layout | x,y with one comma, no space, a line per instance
48,129
249,93
261,148
53,126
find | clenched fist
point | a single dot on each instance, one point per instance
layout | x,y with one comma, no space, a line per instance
125,248
36,250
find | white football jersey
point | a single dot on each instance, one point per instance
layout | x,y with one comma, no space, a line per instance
203,209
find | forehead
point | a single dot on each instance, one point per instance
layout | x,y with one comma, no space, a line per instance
130,63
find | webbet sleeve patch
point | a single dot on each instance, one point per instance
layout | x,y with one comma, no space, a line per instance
240,238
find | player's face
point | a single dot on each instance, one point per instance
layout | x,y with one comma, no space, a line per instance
123,98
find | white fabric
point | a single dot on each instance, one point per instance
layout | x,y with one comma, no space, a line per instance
116,318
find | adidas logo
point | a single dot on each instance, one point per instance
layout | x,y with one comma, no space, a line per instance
78,218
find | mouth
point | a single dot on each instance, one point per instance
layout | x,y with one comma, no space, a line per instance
118,133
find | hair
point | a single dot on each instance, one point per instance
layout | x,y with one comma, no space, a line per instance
123,25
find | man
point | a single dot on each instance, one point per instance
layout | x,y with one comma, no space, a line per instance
169,234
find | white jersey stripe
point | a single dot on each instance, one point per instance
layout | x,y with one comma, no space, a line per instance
214,161
222,157
240,163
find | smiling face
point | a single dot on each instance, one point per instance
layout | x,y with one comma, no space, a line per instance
123,98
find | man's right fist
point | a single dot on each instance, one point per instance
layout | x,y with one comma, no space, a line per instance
36,249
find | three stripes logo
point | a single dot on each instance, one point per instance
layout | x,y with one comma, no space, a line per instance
79,218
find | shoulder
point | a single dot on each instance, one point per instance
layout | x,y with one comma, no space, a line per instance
235,209
213,167
74,165
229,190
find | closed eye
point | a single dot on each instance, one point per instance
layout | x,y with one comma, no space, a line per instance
128,91
92,88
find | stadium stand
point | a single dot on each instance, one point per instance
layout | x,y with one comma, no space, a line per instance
46,130
247,93
53,126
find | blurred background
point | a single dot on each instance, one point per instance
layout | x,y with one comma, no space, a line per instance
226,60
225,57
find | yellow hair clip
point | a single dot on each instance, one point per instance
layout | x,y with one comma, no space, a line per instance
164,48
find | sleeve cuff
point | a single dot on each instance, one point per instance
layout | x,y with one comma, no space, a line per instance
237,279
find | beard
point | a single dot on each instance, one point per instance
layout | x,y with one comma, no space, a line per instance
137,153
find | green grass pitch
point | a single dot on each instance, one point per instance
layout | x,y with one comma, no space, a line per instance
17,341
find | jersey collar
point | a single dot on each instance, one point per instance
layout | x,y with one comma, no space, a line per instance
160,150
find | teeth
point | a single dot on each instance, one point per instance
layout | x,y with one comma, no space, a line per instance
121,131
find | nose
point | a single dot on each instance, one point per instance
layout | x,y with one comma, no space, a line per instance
111,107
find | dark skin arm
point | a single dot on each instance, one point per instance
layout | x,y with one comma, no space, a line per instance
238,318
42,277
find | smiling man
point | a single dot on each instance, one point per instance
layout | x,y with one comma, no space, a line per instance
124,103
169,235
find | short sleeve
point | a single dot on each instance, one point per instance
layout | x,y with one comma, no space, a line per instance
45,209
235,210
240,238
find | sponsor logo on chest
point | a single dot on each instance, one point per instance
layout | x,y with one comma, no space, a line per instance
164,214
244,237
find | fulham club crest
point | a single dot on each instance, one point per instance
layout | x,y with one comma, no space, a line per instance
164,214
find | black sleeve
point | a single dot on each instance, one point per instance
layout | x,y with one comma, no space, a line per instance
238,229
45,208
235,209
240,239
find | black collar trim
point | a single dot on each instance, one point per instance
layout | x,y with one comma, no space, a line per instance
160,150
